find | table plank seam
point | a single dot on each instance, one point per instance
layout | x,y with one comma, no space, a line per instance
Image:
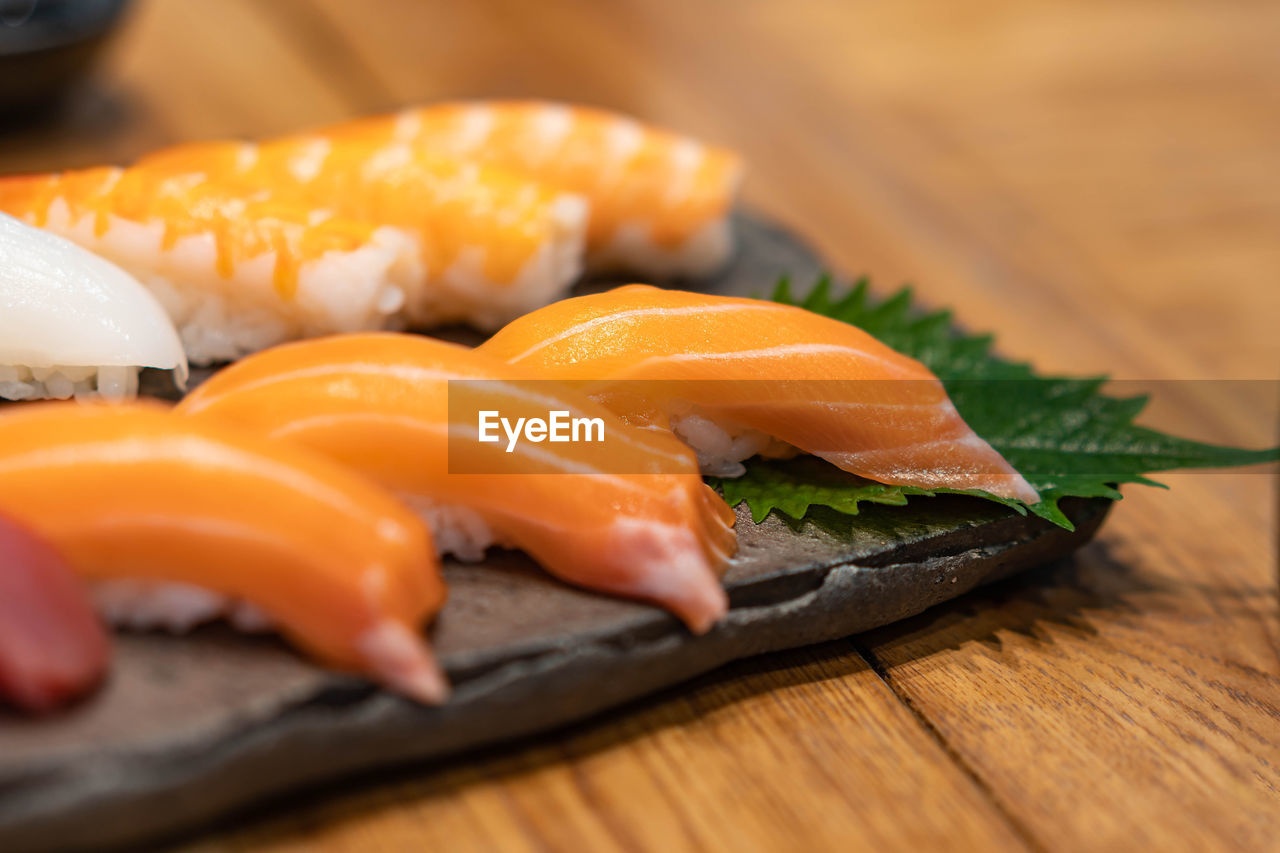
1016,826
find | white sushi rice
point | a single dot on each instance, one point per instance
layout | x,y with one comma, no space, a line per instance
61,382
632,247
457,530
721,450
145,605
220,319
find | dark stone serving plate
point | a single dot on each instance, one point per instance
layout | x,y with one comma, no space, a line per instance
192,728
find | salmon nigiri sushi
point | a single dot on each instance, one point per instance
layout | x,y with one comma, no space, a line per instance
659,201
738,377
622,510
175,521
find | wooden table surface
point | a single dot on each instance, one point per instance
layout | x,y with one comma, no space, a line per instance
1098,182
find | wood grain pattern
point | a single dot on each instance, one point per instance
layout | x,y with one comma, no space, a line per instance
643,780
1100,183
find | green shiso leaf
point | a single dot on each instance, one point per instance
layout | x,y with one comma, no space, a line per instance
1061,433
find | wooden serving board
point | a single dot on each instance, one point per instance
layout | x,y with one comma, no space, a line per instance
191,729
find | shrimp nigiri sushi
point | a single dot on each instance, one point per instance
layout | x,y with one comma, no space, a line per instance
659,201
627,514
52,646
737,377
493,245
73,324
234,272
247,250
176,521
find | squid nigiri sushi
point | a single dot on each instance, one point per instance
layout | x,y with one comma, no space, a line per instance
52,646
659,201
627,515
73,324
736,377
138,500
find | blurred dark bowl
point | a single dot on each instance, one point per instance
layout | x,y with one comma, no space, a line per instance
45,45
